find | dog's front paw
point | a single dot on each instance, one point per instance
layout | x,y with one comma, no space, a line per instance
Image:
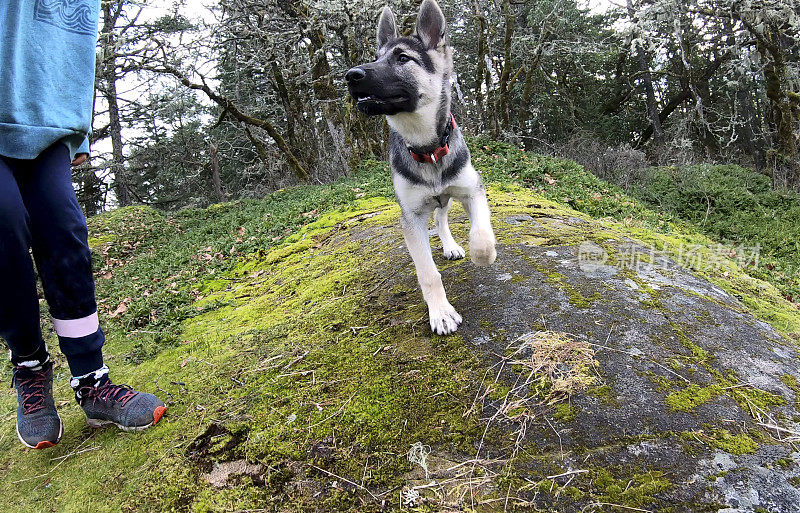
453,252
482,248
444,319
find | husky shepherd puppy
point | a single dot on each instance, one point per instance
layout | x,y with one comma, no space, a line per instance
409,83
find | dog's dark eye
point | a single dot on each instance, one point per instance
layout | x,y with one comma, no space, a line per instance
403,58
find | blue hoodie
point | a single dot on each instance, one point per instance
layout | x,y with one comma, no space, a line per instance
47,59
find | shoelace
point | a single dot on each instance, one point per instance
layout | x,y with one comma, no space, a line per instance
110,392
32,390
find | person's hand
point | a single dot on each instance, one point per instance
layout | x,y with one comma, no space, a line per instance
79,159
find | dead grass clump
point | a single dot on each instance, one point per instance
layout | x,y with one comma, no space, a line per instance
539,369
556,365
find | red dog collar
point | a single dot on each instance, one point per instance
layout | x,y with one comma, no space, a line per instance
439,152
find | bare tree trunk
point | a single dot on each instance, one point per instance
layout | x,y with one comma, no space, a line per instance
120,186
775,75
89,191
685,95
327,95
216,183
748,139
650,101
784,114
483,27
505,76
292,117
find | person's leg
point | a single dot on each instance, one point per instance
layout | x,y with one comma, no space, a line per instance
61,250
19,304
38,423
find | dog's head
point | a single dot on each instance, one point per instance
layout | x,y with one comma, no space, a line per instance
409,73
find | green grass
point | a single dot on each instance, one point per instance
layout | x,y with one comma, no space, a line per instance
161,264
567,183
738,207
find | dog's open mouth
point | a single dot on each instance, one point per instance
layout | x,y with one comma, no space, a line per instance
373,105
371,98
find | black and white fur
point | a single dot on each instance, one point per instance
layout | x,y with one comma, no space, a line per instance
409,83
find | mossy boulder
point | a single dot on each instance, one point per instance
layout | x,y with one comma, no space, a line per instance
685,384
596,369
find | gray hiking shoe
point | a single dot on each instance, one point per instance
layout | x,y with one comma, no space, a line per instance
107,403
38,423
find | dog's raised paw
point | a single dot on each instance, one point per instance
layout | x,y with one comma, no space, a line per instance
454,252
482,251
444,319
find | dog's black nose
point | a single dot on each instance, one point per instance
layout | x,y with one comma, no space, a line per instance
355,74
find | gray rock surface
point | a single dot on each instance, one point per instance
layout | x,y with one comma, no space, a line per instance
656,329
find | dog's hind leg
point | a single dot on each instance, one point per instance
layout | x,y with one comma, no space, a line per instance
451,249
443,317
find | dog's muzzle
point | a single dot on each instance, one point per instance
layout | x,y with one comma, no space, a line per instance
376,91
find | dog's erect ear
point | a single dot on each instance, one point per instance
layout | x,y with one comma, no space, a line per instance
387,28
431,24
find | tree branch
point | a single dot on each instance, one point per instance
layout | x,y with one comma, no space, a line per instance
227,104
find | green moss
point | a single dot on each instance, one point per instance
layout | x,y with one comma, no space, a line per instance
95,242
574,296
606,395
518,278
662,383
212,285
698,354
653,300
791,382
373,394
734,444
761,299
636,491
498,391
760,436
754,400
565,412
675,363
722,439
717,475
691,397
